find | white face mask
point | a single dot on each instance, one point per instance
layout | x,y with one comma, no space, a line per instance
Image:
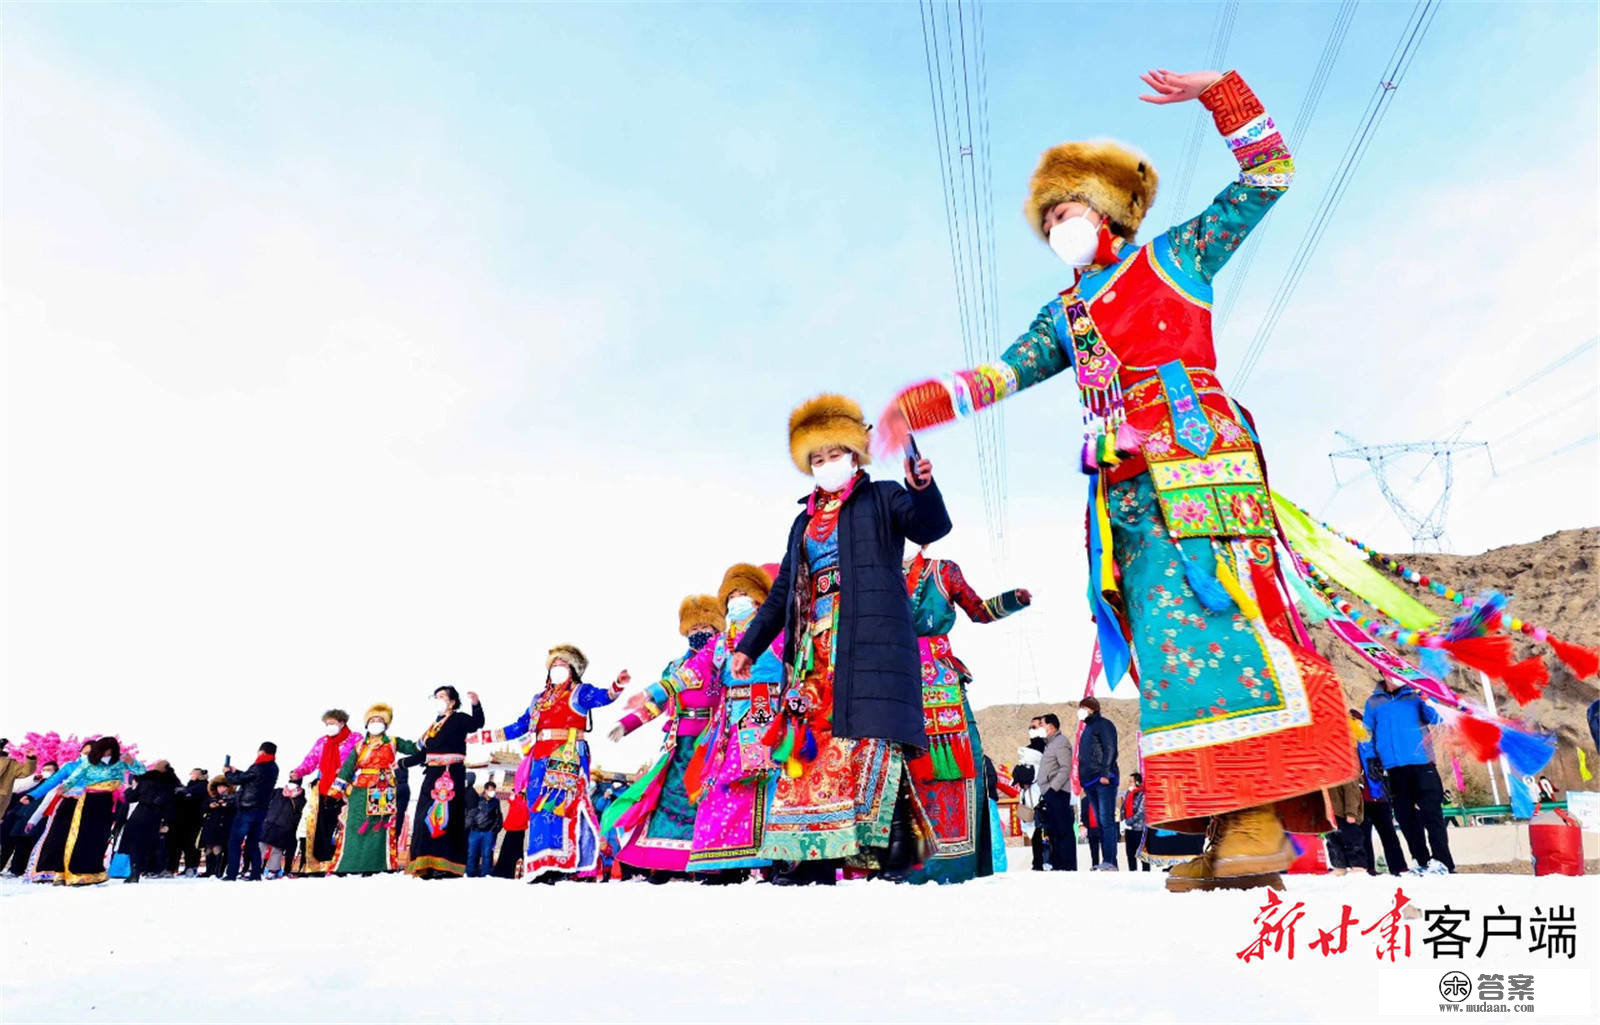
332,729
377,726
441,706
560,674
105,760
1076,240
835,473
741,607
1083,713
1034,733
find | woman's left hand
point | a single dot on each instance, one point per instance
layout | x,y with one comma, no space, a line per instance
1173,87
622,681
920,476
472,698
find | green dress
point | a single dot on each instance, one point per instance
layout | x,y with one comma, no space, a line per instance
369,838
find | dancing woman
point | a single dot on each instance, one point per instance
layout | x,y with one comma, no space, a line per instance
1241,721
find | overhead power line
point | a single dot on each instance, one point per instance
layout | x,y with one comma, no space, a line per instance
1393,75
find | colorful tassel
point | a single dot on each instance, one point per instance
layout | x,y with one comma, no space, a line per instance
1525,681
774,732
1230,583
793,768
1482,739
1434,662
808,749
1490,654
1479,620
785,748
1528,753
1583,766
438,819
1455,770
1268,596
921,767
1584,662
961,747
1212,595
1130,440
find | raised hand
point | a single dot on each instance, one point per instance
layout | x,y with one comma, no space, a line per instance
1025,596
616,734
1175,87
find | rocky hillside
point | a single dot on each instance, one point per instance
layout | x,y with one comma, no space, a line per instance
1553,582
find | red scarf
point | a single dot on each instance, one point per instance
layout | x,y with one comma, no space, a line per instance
328,766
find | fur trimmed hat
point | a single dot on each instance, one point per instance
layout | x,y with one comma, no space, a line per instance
1116,180
379,711
827,420
752,580
699,612
571,654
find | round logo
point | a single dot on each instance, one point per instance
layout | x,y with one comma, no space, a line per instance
1455,987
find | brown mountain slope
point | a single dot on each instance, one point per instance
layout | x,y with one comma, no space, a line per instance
1553,582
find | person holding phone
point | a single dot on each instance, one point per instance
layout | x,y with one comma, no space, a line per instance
850,719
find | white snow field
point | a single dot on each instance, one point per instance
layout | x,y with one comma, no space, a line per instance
1022,947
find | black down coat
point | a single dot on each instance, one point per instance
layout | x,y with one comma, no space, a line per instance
877,679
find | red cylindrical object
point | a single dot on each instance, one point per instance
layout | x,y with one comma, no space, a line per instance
1556,840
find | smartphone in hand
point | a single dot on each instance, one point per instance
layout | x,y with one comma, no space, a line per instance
913,457
227,761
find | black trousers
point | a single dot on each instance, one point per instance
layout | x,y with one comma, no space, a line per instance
1348,843
21,851
1417,794
1059,820
1381,817
1131,842
183,846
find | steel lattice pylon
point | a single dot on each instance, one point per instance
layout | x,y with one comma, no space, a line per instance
1427,529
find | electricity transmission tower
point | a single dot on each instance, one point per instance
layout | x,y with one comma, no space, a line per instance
1427,528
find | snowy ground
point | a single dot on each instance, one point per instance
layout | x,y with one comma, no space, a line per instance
1023,947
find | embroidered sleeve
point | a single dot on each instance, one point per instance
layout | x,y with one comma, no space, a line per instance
586,697
976,608
648,704
1202,244
516,729
1037,355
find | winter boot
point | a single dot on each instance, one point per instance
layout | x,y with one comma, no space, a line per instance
1251,842
1248,848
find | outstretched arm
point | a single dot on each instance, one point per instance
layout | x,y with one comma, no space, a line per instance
1203,244
976,608
1038,355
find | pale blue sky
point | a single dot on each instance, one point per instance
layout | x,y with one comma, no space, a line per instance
355,347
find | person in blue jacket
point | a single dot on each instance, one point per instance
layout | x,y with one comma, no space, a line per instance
1378,812
1398,720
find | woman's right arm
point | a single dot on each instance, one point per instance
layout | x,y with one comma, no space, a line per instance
1038,355
772,616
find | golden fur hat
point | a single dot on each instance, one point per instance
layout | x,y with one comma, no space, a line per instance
752,580
699,612
379,711
1116,180
827,420
571,654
